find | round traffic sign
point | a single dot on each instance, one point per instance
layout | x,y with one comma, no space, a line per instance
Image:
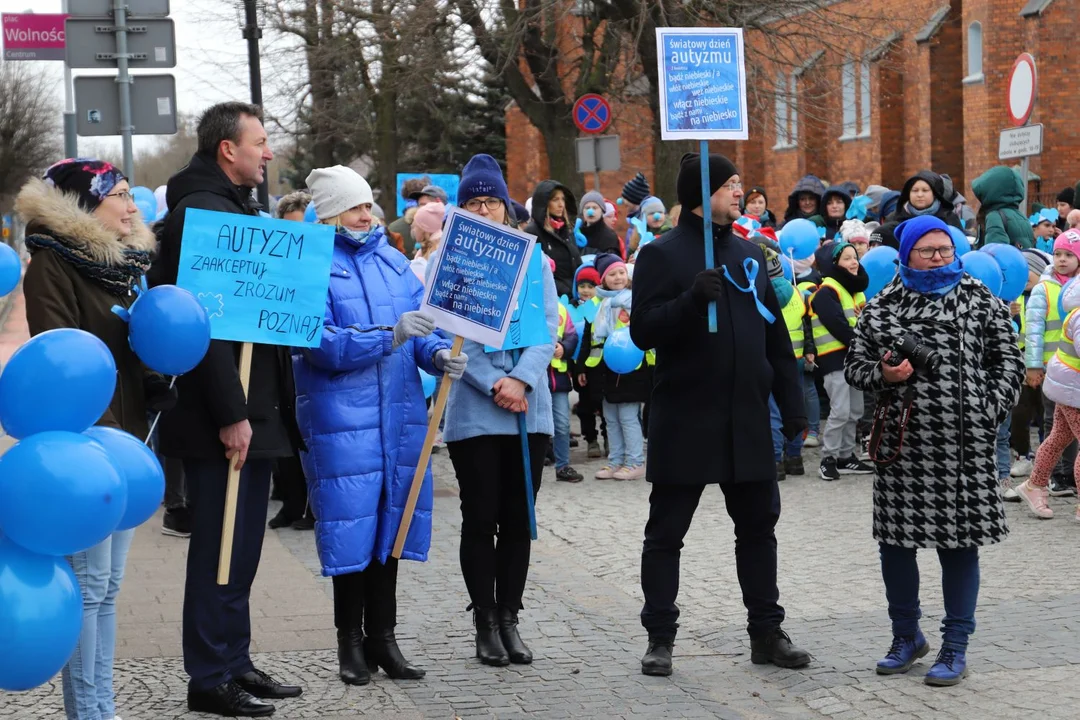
1023,83
592,114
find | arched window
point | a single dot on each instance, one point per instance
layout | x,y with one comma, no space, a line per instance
974,52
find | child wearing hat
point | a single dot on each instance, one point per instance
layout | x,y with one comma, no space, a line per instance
623,394
588,381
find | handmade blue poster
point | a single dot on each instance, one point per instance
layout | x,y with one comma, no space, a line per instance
478,275
260,280
528,324
447,182
702,84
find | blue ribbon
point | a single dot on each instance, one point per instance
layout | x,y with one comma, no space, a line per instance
750,267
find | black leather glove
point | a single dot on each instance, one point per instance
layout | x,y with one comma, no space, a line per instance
159,396
794,427
708,286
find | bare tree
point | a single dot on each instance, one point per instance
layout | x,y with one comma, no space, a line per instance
30,137
155,166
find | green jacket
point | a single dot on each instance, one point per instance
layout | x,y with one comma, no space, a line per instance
1000,191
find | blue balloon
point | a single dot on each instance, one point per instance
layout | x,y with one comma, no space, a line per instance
140,468
161,214
789,272
1014,270
169,329
309,213
984,268
428,383
960,240
60,493
10,269
621,354
145,194
148,209
880,266
41,611
59,380
799,239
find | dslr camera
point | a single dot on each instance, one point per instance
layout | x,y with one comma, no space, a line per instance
922,358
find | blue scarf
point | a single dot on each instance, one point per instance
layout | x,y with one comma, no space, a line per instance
936,282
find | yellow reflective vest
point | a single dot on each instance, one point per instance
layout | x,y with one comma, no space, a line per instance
560,365
1022,302
1066,351
793,318
823,339
1052,332
596,352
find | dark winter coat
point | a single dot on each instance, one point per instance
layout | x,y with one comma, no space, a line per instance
832,225
599,238
559,246
211,396
59,296
810,184
1000,192
942,491
709,412
560,382
945,213
826,304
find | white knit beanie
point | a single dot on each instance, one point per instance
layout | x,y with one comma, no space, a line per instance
337,189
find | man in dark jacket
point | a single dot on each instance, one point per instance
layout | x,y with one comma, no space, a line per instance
709,420
552,224
213,424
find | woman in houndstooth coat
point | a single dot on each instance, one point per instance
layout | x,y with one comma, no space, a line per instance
935,481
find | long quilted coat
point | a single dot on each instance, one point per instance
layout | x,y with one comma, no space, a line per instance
361,410
942,490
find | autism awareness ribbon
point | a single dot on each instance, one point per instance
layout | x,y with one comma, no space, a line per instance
750,267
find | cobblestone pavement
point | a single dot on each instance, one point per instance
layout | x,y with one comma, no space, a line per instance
581,621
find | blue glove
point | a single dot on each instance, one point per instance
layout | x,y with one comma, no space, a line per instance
579,237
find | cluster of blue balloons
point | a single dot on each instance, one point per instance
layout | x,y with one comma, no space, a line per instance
66,485
1002,268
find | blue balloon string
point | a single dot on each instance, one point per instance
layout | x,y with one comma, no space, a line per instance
750,267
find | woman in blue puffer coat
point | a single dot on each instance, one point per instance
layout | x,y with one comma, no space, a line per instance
361,410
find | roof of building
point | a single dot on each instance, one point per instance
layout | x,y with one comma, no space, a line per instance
932,26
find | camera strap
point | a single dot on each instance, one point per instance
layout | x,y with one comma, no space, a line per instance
879,424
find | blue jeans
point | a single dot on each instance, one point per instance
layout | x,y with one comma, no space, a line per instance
781,449
560,407
810,397
959,585
625,441
88,676
1004,454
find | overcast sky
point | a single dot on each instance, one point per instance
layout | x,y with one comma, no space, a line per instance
211,58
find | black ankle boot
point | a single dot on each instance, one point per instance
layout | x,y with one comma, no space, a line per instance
489,646
352,669
657,658
517,650
381,649
776,648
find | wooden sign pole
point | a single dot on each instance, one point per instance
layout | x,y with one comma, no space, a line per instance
232,491
425,454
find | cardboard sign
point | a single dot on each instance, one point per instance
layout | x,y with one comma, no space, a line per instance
260,280
702,84
477,277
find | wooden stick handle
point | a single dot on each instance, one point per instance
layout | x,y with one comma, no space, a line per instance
425,454
232,491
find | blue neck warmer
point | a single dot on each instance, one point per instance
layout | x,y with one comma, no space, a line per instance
932,210
934,283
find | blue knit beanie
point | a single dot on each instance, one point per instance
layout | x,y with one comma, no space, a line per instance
911,231
482,177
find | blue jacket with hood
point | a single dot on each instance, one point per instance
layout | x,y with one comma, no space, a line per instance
361,409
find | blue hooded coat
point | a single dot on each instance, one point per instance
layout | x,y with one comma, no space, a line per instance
361,409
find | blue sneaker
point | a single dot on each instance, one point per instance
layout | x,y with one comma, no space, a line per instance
903,653
949,668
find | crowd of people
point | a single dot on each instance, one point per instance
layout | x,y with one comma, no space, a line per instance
923,386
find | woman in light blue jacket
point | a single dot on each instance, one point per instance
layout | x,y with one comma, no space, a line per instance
360,407
485,447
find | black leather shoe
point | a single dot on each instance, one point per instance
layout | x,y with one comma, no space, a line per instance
489,646
776,648
228,700
657,658
516,649
352,666
263,686
281,520
381,649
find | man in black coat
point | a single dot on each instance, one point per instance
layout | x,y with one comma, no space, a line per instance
213,424
709,418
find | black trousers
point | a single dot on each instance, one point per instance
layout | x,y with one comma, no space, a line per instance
1029,408
367,600
289,476
175,486
217,620
755,508
495,539
590,404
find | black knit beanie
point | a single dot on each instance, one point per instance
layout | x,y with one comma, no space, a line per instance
688,185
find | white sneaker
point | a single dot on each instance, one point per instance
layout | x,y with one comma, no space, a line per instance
1021,468
811,440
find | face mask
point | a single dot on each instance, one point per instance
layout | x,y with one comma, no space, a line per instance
359,236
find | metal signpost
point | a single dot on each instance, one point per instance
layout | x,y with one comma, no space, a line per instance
598,154
1021,140
125,34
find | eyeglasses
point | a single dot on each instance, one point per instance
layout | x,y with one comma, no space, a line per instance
928,253
732,187
125,196
491,203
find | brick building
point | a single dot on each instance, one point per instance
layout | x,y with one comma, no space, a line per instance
925,88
